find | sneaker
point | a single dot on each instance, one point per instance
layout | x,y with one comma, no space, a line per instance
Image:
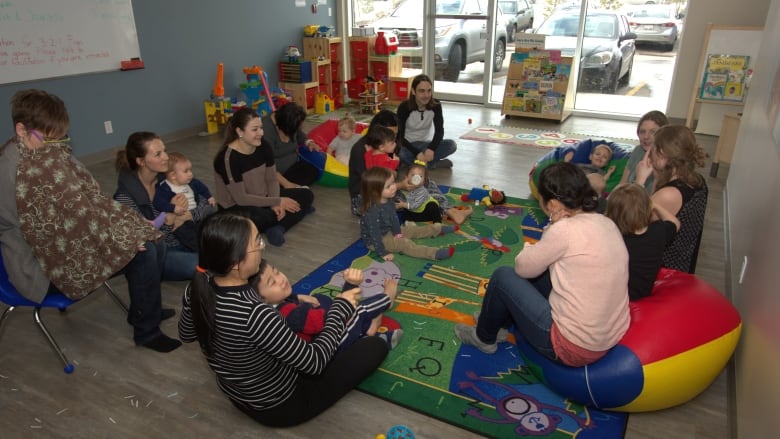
468,335
392,337
503,333
441,164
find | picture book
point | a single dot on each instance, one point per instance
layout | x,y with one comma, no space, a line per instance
724,77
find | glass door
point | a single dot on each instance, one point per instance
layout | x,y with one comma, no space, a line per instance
446,39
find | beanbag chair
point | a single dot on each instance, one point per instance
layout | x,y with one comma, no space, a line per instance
680,339
332,172
582,150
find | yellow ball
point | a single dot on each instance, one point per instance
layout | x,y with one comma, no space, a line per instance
381,436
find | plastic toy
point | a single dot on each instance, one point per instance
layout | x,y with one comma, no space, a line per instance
323,104
325,31
485,195
310,30
293,53
399,432
257,91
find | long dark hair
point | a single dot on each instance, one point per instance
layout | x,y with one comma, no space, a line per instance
222,242
136,147
567,183
415,82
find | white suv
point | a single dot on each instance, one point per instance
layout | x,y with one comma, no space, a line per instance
458,41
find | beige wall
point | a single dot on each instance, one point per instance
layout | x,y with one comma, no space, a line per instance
752,198
700,13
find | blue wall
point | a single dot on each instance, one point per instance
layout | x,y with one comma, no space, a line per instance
181,41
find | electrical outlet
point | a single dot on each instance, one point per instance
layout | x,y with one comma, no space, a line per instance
109,128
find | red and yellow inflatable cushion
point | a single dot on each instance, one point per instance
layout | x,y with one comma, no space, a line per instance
680,338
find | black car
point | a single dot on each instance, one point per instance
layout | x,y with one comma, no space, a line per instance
608,47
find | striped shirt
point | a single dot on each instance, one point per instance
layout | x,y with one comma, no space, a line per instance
256,356
166,229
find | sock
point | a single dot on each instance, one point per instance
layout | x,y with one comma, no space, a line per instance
392,337
275,235
444,253
162,343
468,335
167,313
448,229
311,209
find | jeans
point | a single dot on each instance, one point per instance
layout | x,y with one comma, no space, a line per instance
446,148
143,274
511,299
179,264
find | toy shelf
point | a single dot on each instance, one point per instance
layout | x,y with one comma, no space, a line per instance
302,93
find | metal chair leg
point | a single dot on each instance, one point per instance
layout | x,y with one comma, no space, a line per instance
116,298
5,316
37,317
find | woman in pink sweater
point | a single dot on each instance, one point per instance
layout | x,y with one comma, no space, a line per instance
568,293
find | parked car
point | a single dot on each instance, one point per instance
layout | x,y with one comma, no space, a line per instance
658,24
608,46
519,15
458,41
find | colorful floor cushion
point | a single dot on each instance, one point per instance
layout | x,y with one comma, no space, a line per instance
680,339
581,150
333,173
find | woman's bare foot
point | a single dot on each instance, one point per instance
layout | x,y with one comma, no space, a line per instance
460,214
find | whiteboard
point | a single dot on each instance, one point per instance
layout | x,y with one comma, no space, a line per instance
50,38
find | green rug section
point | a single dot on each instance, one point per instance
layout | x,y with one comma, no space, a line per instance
430,371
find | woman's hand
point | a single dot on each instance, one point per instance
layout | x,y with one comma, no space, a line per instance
352,296
312,145
305,298
425,156
289,205
279,211
388,257
178,220
180,204
644,169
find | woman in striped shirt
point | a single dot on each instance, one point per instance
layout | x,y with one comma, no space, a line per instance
266,370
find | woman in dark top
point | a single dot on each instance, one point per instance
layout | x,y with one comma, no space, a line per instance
680,190
282,132
246,179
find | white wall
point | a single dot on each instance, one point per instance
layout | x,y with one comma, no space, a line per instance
753,214
700,13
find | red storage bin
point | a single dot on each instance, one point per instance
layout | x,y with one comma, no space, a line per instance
379,69
401,89
359,69
354,88
359,50
311,93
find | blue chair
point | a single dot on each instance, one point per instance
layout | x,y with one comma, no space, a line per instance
11,297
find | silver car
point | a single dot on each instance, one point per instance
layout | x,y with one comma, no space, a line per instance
659,24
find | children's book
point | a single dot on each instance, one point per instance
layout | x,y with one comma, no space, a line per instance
724,77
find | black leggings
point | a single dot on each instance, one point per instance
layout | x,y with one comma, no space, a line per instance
265,218
432,212
316,393
302,173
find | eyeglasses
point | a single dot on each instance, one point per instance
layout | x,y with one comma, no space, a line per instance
46,140
260,245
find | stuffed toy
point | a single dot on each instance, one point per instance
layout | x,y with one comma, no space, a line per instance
485,195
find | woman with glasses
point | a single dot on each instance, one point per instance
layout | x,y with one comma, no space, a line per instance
264,368
58,230
246,179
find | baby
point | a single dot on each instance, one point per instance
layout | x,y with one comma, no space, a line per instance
200,203
342,144
599,157
380,149
417,203
305,314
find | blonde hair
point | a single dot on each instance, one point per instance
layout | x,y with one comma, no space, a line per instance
175,158
630,208
347,121
602,145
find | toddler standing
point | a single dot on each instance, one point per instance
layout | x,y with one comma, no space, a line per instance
342,144
200,203
379,226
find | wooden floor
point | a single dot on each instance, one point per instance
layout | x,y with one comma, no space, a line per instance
119,390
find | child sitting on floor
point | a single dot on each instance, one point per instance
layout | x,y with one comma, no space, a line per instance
380,148
305,314
631,209
599,157
200,203
416,203
342,144
379,226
